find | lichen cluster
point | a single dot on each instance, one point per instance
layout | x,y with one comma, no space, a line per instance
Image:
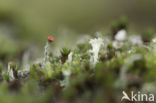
96,71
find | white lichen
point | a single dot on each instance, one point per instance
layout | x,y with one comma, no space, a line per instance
121,35
46,54
70,57
154,40
96,44
135,40
117,44
66,74
10,73
124,68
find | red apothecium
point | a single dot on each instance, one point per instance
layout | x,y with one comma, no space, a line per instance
50,39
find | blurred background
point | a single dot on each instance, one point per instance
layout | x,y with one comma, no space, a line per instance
27,23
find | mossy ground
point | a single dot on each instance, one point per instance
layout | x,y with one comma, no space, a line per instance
64,81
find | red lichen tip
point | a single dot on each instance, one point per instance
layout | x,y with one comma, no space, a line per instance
50,39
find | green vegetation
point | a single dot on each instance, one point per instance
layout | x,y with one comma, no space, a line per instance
71,77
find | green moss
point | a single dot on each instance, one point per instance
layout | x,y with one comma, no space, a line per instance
68,81
65,51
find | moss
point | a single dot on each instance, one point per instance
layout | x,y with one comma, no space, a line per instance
64,54
148,35
68,81
121,23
